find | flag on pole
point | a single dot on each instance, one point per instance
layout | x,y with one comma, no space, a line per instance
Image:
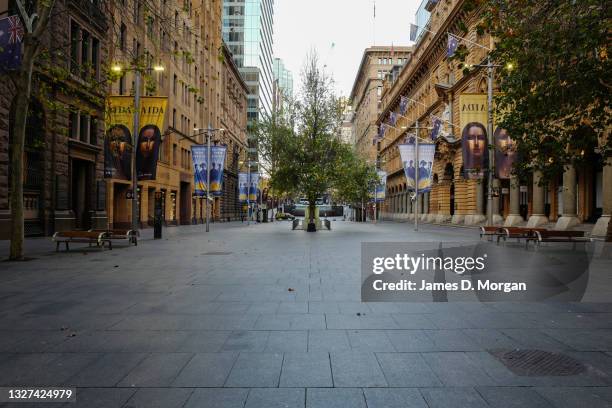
413,31
403,105
392,118
11,36
452,45
392,51
437,125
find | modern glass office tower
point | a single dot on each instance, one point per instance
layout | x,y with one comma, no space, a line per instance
284,77
248,32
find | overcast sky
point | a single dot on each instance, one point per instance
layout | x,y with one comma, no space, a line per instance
302,25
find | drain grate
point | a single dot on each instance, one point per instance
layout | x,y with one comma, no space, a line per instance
216,253
533,363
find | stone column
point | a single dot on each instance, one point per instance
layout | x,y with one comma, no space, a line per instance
537,214
479,216
601,227
514,217
569,217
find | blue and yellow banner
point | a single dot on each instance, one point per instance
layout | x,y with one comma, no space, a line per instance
424,163
243,187
203,171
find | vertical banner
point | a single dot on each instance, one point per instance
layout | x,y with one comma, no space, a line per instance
426,158
119,119
407,156
254,187
472,120
381,187
505,153
243,187
199,158
118,153
202,170
217,162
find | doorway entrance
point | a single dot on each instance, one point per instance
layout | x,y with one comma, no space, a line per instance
81,192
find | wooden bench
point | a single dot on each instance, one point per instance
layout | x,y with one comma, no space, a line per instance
490,232
130,236
517,233
557,236
86,237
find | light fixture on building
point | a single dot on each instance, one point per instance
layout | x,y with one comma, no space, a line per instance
116,68
158,68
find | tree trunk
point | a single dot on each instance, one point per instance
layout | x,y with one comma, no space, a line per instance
311,216
24,85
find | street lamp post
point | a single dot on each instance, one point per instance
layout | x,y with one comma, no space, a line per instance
134,171
490,141
135,226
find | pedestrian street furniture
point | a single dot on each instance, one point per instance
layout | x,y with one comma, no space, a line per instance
517,233
295,223
539,236
490,232
130,236
86,237
327,224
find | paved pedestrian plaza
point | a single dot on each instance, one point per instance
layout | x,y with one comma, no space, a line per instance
264,317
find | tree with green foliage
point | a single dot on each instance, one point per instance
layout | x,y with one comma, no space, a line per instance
299,144
555,99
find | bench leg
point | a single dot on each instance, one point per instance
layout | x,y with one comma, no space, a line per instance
66,242
57,244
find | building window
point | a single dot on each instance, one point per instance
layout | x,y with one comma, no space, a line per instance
93,131
174,159
122,37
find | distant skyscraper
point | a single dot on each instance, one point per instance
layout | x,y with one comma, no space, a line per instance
248,32
283,83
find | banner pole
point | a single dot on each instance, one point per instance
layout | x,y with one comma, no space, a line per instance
416,177
208,177
134,147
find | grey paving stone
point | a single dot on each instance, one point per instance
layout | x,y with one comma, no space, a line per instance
323,307
206,370
292,307
101,397
335,398
354,322
456,369
106,371
453,397
256,370
311,369
275,398
407,370
243,340
513,397
48,369
582,339
159,398
287,341
410,340
394,398
204,341
356,369
217,398
489,339
414,321
577,397
535,339
451,340
157,370
328,340
370,340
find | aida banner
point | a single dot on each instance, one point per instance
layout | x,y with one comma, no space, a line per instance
243,187
505,153
203,170
381,187
425,163
254,187
118,142
472,120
